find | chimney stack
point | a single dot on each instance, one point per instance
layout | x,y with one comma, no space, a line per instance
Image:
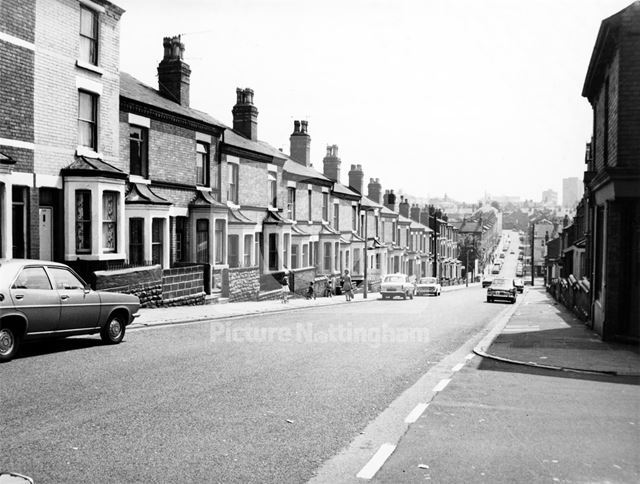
173,72
374,190
245,114
331,163
424,216
415,212
356,178
390,200
300,143
403,208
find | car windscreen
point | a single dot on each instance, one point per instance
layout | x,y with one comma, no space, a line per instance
394,279
505,283
428,280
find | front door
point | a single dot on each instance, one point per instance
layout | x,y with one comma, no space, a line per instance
46,233
79,307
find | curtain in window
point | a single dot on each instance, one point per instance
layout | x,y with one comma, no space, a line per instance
109,220
83,221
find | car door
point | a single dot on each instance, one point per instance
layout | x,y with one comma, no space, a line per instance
33,295
79,307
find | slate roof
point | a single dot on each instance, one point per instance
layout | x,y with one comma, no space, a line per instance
141,193
132,88
84,166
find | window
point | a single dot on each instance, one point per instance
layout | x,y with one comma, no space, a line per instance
285,249
327,256
88,120
316,256
109,221
356,261
256,242
219,241
136,241
156,240
65,279
305,255
202,163
248,245
354,218
234,250
294,256
336,256
88,35
202,240
232,187
181,238
325,206
83,221
336,216
32,278
272,189
273,252
376,222
291,203
310,212
138,151
214,163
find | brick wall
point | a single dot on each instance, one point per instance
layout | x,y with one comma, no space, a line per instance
58,44
629,97
17,18
183,285
144,282
244,284
16,103
300,279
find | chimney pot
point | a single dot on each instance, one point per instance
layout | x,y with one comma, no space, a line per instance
300,143
173,73
245,114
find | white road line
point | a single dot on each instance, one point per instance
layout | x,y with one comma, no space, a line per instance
376,462
469,356
416,412
458,367
441,385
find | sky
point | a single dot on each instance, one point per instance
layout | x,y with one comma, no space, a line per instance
433,97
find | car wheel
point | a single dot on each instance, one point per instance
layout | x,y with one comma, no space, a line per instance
9,343
489,300
113,331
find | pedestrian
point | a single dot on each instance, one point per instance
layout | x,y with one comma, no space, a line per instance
286,290
347,286
327,288
311,292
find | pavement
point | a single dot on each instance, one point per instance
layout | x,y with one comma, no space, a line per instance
186,314
542,333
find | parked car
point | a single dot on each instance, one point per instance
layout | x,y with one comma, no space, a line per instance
44,299
428,285
502,289
487,282
496,269
397,285
519,283
502,255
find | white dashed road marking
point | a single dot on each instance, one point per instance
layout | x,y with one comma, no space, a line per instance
457,368
376,462
441,385
416,412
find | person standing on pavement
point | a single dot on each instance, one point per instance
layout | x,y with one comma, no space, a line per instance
285,290
347,286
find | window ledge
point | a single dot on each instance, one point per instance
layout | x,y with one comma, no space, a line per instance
89,67
88,152
203,188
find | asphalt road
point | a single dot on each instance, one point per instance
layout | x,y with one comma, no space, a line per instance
221,402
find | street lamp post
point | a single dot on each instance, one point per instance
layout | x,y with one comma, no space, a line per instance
533,243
